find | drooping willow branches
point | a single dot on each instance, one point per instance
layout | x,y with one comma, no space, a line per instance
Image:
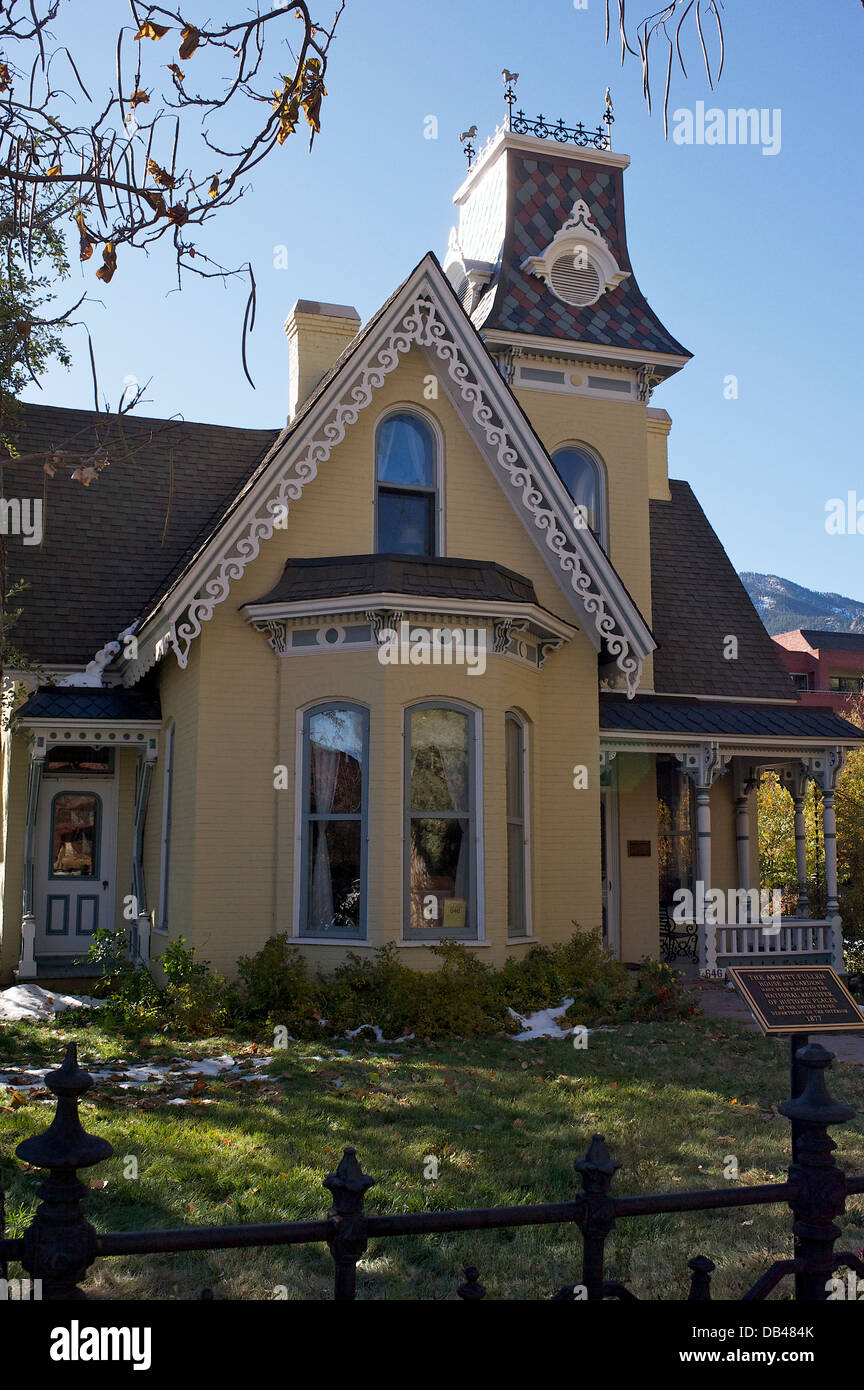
672,28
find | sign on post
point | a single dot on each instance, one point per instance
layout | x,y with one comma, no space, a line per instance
797,998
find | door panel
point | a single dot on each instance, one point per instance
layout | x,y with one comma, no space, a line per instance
75,862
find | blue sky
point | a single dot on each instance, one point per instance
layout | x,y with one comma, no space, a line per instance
751,260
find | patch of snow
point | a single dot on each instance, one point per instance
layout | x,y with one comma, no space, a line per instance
543,1023
30,1004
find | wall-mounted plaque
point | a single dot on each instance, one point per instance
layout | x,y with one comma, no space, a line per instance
639,849
797,998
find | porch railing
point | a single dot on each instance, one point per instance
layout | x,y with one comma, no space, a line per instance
800,940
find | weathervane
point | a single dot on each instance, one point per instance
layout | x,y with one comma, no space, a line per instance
510,79
608,118
465,139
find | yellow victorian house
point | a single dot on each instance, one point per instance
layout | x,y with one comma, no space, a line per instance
449,657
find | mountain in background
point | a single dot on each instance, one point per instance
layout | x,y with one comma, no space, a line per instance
784,606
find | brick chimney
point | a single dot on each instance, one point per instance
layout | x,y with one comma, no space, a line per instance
317,334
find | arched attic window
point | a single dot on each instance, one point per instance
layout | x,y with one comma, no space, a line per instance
584,478
406,470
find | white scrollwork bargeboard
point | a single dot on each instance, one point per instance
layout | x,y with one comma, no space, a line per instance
422,325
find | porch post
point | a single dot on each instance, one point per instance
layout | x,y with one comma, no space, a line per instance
825,768
140,916
744,784
703,768
27,961
797,777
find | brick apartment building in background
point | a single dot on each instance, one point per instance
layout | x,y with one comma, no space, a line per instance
827,668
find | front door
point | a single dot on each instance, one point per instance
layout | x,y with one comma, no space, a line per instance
75,863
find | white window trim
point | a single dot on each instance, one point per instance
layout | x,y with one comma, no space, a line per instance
167,818
527,838
602,482
448,702
412,408
295,936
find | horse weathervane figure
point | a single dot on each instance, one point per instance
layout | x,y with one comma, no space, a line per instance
465,139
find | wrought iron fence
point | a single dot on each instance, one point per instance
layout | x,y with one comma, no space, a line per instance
60,1245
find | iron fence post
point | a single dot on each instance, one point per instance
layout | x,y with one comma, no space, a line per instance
820,1185
596,1171
348,1186
59,1245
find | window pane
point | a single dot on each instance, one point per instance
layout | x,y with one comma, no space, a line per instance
515,880
73,836
406,452
440,874
578,473
67,758
405,523
333,875
336,762
513,739
439,760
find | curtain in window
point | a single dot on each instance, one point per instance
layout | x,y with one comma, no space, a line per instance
440,814
406,452
333,825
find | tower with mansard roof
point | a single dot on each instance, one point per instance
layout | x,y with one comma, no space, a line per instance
539,260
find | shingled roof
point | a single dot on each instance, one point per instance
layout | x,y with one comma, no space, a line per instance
109,548
697,601
425,576
541,191
716,718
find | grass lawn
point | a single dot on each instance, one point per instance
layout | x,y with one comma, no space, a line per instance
505,1121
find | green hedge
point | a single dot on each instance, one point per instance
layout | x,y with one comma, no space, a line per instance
463,997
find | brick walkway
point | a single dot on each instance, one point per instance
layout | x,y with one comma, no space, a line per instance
717,1001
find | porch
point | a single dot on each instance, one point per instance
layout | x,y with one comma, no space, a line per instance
84,784
704,742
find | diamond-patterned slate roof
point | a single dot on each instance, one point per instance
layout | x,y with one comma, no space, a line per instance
714,718
115,702
541,193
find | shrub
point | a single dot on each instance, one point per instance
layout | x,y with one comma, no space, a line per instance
275,986
464,997
195,999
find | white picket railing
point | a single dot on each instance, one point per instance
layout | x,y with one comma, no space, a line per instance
801,938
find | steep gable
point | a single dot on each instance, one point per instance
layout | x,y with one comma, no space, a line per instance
423,314
697,602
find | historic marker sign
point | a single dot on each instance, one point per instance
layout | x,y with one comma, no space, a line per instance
797,998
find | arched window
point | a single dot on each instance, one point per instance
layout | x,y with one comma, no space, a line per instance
582,475
516,767
440,822
406,461
334,829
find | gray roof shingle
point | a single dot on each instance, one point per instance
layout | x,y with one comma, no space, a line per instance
52,702
714,718
108,548
697,601
439,577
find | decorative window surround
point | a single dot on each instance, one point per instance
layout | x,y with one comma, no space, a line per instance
420,316
579,242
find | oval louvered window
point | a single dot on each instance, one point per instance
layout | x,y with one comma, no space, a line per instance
574,283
